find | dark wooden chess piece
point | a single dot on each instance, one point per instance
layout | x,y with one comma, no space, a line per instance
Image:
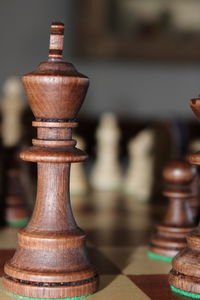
169,237
194,202
15,204
51,260
184,277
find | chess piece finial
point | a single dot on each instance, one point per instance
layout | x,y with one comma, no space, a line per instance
51,260
56,41
170,234
179,172
184,277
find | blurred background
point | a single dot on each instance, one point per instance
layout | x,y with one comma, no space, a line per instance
142,56
143,61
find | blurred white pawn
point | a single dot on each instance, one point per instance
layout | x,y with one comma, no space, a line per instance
139,177
106,173
78,178
12,106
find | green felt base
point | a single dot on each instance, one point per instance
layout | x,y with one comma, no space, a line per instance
18,223
184,293
30,298
159,257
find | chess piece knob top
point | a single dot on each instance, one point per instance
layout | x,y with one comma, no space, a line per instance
55,90
179,172
56,41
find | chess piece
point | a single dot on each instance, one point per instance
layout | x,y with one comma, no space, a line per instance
106,173
184,277
170,235
12,107
137,182
51,260
16,206
194,146
194,202
78,181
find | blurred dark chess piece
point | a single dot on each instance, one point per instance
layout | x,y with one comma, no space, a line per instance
14,201
184,277
194,201
169,237
51,260
15,204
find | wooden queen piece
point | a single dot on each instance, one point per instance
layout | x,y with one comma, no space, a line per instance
51,260
184,277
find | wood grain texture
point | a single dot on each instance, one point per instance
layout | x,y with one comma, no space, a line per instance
51,260
170,235
185,273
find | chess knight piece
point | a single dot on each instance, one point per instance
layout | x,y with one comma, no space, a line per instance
51,260
184,277
106,173
137,182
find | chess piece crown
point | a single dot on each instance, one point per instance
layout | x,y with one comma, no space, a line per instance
51,260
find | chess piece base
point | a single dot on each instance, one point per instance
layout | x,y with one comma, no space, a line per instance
159,257
183,283
168,241
50,266
185,266
187,294
49,290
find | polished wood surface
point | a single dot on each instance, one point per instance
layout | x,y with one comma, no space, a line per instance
185,273
169,237
51,260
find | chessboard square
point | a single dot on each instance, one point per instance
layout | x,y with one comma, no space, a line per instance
121,237
8,238
102,220
141,263
155,286
118,288
136,261
102,263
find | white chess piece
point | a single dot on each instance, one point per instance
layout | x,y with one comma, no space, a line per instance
78,179
106,173
139,177
12,106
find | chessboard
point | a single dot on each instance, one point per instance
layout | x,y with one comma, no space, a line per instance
118,231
